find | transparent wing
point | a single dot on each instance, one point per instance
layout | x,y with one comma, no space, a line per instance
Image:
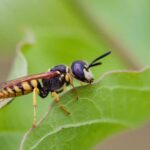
3,85
46,75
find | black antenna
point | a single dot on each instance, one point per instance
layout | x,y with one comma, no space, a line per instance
95,63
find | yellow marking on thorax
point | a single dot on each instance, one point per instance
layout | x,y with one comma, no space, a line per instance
26,86
17,89
67,78
34,83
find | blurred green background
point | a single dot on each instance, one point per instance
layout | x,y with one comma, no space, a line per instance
64,31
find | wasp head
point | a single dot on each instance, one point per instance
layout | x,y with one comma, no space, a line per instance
81,70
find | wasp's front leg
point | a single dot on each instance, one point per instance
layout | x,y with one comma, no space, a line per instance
69,79
57,100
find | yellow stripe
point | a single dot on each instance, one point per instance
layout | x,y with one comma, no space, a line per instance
5,92
26,86
34,83
16,88
1,95
10,90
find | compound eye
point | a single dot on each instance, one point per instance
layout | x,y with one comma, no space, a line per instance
77,68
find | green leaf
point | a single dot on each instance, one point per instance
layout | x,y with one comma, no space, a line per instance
118,101
61,36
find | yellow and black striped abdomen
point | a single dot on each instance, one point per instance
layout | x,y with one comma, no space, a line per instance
18,89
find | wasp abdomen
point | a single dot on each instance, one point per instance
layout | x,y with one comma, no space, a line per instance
19,89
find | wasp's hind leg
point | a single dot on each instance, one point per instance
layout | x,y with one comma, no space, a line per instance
42,92
35,92
57,100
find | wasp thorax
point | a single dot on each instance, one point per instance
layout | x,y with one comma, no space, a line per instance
81,71
63,69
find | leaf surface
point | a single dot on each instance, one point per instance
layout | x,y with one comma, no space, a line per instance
118,101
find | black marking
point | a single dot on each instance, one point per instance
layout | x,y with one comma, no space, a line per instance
21,88
30,84
12,87
5,89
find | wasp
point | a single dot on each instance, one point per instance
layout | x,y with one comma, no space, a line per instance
54,81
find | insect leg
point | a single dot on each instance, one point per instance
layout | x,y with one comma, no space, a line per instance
57,100
75,91
35,92
70,79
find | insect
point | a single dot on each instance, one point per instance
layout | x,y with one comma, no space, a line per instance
54,81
